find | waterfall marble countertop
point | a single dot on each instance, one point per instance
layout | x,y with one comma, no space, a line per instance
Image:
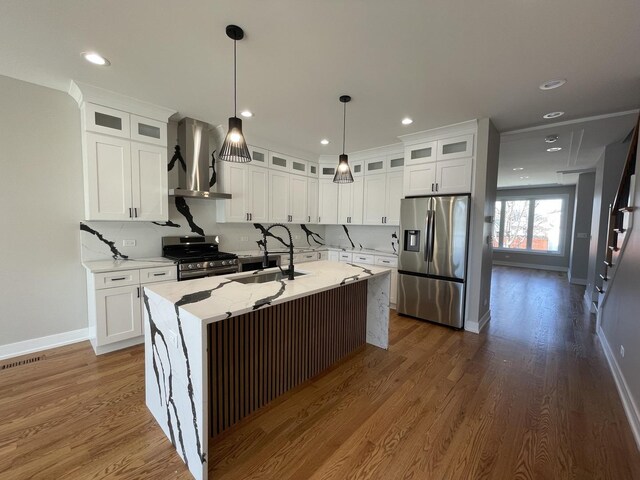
216,298
111,265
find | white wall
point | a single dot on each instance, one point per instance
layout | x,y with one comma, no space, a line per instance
42,286
619,320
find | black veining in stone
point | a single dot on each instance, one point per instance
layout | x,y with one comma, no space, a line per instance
214,176
168,223
112,245
394,242
177,156
311,235
263,231
267,300
183,208
155,333
346,230
356,277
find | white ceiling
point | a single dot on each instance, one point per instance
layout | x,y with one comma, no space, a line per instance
438,61
582,142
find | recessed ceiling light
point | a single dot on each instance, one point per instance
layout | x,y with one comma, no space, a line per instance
96,59
407,121
554,149
246,113
518,169
324,141
551,138
524,178
551,84
553,115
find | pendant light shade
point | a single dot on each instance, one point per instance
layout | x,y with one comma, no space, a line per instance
234,148
343,172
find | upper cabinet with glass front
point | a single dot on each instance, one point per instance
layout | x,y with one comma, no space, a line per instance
456,147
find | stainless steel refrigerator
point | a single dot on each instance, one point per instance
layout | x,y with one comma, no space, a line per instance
432,262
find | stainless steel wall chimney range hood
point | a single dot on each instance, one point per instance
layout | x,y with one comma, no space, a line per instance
193,175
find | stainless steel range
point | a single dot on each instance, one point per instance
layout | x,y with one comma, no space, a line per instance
198,257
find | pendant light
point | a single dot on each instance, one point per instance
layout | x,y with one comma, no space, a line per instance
234,148
343,172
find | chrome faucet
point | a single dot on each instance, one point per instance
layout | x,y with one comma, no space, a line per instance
265,260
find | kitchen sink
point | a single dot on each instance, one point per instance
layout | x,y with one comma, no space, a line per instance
264,277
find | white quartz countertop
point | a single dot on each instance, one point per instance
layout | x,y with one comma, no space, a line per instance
281,250
100,266
215,298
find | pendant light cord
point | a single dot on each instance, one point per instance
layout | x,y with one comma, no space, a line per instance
344,125
235,82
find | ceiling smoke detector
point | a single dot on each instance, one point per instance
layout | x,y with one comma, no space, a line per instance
551,84
551,138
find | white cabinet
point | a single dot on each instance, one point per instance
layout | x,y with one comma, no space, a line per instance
328,202
351,197
333,256
107,178
297,199
147,130
324,255
108,121
454,176
363,258
313,170
118,314
259,156
116,306
382,195
149,182
279,188
327,170
345,257
375,165
419,179
420,153
312,200
249,189
304,257
455,147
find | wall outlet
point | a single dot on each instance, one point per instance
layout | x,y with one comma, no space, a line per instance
244,238
128,243
622,351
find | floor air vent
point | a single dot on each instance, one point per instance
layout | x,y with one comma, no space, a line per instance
21,362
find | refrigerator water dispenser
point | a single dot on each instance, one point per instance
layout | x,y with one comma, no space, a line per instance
412,240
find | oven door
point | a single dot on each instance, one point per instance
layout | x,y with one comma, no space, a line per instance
191,274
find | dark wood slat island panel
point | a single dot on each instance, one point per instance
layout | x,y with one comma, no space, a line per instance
258,356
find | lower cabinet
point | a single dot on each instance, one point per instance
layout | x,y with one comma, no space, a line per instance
333,256
323,255
116,306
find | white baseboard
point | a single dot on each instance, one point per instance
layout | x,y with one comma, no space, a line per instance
630,408
43,343
112,347
530,265
476,327
578,281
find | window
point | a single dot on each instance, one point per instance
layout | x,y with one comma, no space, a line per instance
531,224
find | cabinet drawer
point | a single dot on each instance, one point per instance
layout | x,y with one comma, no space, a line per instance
345,257
456,147
387,261
363,258
106,120
117,279
309,257
158,274
148,131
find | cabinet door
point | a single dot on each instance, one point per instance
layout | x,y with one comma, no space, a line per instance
277,161
454,176
258,197
259,156
374,199
455,147
118,314
105,120
419,179
313,170
393,197
148,131
234,179
421,153
395,163
333,256
279,205
323,255
357,201
328,203
327,171
299,167
108,178
375,165
345,192
149,182
297,199
312,200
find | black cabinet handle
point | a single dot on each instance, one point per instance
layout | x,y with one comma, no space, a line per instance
138,292
135,212
117,279
130,213
159,274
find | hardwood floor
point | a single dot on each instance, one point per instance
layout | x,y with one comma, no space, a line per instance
532,398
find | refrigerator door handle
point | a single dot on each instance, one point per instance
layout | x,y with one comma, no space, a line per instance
432,231
427,236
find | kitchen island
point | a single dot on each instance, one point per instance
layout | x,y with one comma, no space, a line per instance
219,348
